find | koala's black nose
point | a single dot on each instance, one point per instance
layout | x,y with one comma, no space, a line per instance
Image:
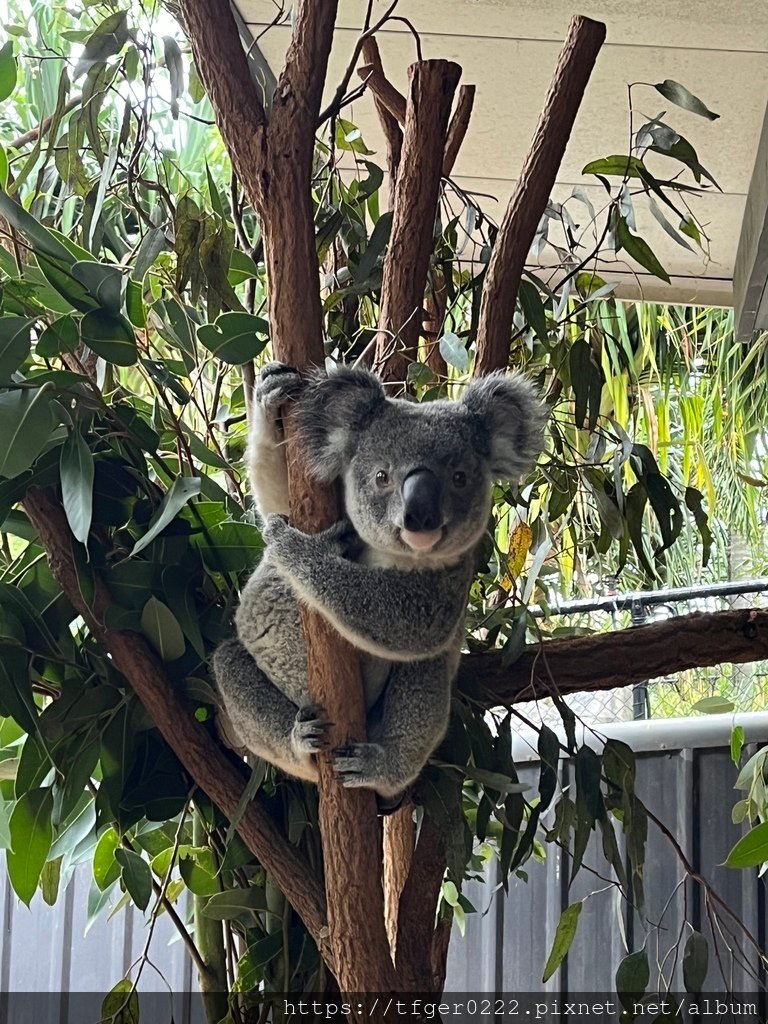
421,501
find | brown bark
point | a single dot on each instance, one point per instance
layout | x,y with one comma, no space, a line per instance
532,190
608,660
274,165
205,760
416,917
432,85
457,129
399,836
390,125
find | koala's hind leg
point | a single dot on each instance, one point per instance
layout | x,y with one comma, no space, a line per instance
263,720
414,719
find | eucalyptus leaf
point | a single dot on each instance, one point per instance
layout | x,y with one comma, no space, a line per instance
162,629
8,71
110,337
751,851
31,838
26,424
681,97
77,472
136,876
15,343
176,497
235,337
564,936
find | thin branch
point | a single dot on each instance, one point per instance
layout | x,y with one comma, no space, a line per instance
532,190
432,85
370,30
42,129
457,129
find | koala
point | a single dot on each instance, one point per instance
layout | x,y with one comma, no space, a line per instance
392,577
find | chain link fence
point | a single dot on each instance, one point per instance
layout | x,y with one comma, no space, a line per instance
722,688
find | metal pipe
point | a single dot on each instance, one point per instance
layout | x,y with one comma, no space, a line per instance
622,602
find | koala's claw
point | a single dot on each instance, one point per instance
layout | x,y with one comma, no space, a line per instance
355,764
278,383
310,730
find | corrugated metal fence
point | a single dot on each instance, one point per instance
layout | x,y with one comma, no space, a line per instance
685,776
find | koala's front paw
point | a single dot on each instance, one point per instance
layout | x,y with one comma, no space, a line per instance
310,730
275,527
365,766
278,383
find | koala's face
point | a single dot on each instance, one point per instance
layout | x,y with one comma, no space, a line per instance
416,486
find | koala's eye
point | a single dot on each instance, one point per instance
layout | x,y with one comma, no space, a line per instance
459,479
382,478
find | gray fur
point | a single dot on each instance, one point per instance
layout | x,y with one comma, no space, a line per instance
398,594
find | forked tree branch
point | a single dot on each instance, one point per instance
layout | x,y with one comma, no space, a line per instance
206,761
278,184
531,192
432,85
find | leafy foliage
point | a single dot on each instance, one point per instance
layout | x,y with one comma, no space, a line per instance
133,306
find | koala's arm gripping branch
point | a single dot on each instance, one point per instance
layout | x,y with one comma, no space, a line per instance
532,190
392,613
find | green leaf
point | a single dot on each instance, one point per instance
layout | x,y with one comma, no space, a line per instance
162,629
751,850
632,977
26,424
695,962
737,743
105,41
349,138
376,245
103,282
230,547
713,705
8,71
121,1005
535,315
40,238
616,166
106,869
15,344
454,351
50,877
241,267
176,497
31,838
564,936
235,337
110,337
136,876
76,466
199,873
694,503
681,97
173,63
61,336
224,906
639,250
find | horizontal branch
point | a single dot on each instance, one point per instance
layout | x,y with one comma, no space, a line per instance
607,660
212,769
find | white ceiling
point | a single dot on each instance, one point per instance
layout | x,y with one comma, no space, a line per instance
508,48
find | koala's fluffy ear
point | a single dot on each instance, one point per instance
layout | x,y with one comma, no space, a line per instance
510,416
331,413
